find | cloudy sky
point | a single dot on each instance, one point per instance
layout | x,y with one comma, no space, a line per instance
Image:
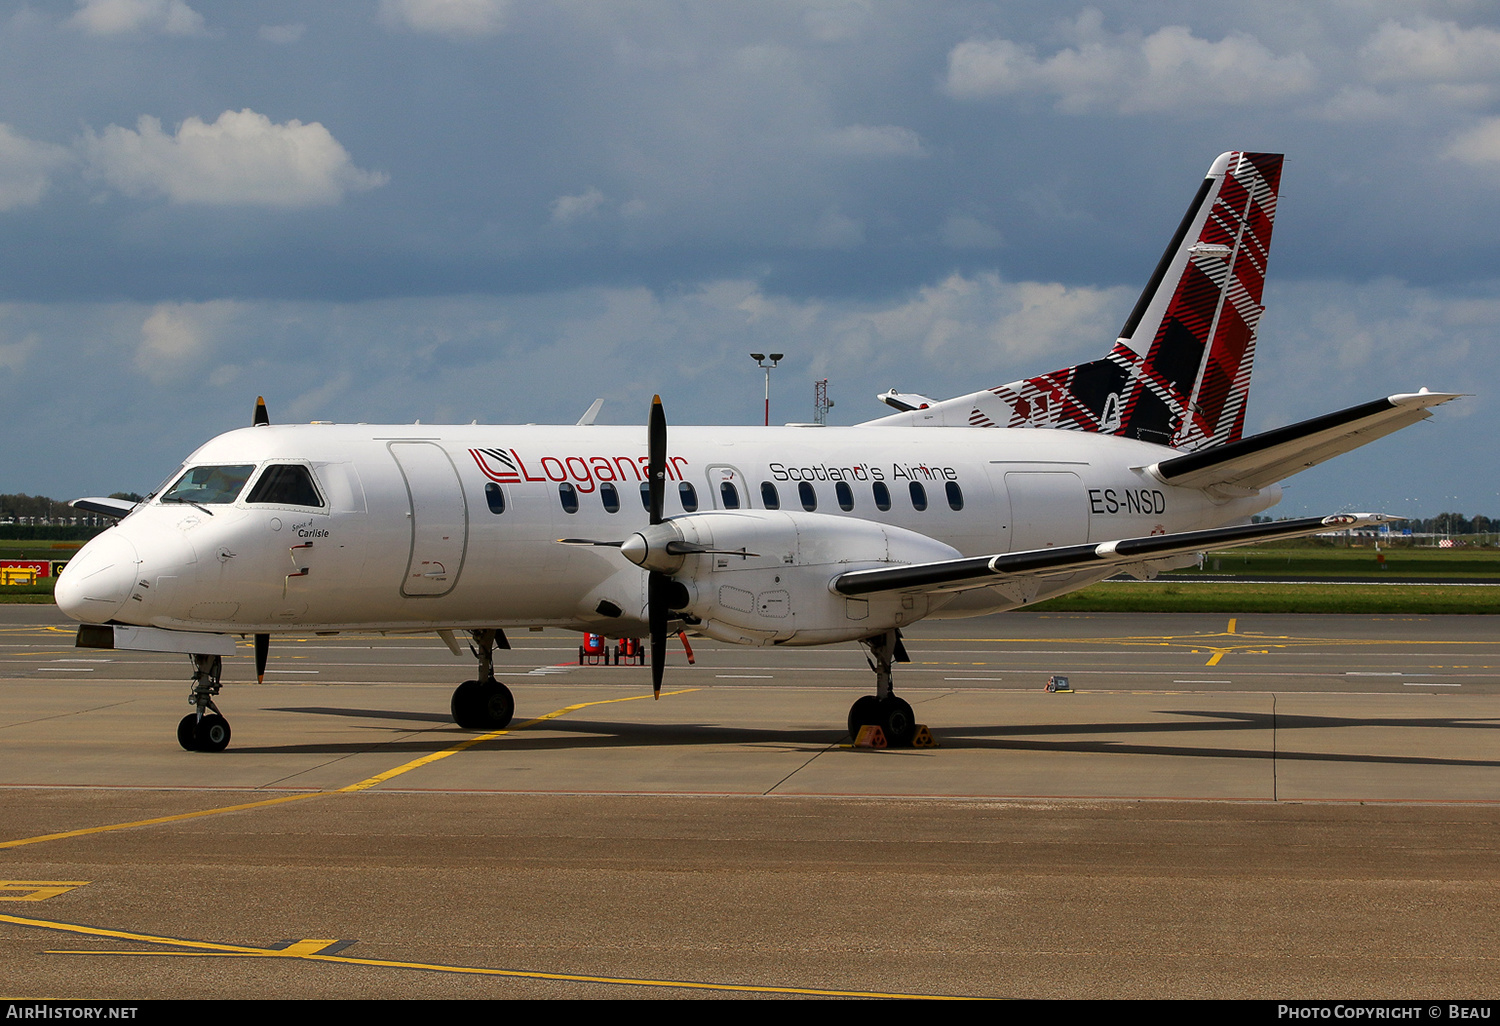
451,210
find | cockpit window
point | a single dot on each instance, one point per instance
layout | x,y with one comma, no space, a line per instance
286,484
210,485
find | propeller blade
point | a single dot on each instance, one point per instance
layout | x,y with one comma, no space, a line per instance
261,418
656,600
590,541
657,583
262,650
656,463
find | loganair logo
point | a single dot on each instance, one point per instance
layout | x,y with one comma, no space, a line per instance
506,467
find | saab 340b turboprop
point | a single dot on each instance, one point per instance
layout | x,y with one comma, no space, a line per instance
757,536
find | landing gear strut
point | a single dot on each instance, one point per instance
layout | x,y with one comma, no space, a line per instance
202,731
883,709
484,704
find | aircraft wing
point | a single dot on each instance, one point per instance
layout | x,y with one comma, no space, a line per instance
1240,468
988,571
114,508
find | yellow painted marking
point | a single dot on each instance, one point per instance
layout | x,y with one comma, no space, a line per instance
381,778
37,890
306,947
159,819
1195,644
181,946
362,785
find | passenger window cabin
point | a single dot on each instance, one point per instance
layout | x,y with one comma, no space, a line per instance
955,496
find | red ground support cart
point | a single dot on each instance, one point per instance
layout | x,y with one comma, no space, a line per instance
630,650
593,651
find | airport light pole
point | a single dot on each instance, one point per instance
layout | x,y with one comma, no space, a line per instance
760,361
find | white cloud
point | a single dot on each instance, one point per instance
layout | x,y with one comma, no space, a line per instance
877,141
114,17
1432,51
1479,146
25,168
243,157
984,322
1169,70
282,34
176,336
457,19
566,209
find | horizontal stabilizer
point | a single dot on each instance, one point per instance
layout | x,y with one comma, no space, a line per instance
906,401
113,508
987,571
1241,468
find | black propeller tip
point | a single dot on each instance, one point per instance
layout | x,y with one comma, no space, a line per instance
261,418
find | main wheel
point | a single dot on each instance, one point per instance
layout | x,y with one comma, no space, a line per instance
897,721
482,705
186,728
212,734
864,710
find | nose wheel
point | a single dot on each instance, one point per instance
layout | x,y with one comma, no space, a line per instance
483,705
204,731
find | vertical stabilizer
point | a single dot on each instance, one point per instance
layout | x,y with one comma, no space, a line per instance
1179,374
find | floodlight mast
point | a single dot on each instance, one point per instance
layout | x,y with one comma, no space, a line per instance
760,361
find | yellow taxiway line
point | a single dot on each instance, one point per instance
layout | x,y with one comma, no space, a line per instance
309,950
362,785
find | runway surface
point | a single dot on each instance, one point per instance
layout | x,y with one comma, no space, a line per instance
1257,806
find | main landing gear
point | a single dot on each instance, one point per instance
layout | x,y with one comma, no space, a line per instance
484,704
883,709
202,731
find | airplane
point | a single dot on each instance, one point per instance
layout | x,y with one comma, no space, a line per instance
799,535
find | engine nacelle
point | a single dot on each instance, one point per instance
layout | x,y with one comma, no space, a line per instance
768,580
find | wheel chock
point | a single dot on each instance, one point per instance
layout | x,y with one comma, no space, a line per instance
923,738
870,736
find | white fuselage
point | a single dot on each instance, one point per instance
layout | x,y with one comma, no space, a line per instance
411,535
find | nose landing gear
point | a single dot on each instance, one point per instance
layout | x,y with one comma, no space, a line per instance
484,704
883,709
202,731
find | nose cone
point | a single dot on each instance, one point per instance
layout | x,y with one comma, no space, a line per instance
96,582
